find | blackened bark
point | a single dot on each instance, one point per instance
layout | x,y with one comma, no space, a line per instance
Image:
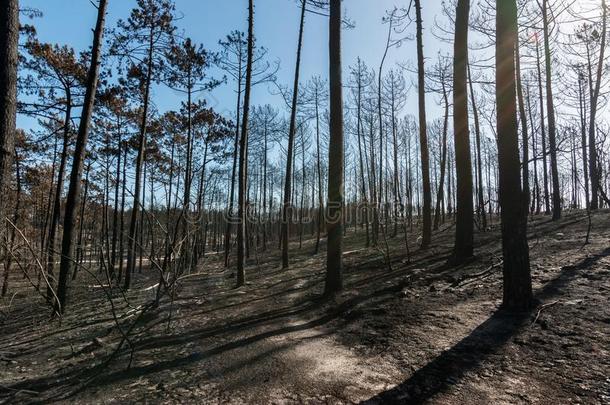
115,215
72,202
593,169
545,175
423,136
516,274
477,132
8,260
243,157
133,221
440,195
334,219
551,116
464,205
524,132
287,208
9,40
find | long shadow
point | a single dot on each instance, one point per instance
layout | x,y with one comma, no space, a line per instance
486,338
72,377
306,304
241,303
451,365
309,304
354,280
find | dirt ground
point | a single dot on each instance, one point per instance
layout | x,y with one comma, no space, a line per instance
416,332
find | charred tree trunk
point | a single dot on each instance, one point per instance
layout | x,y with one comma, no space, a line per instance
477,132
227,240
334,219
319,172
583,137
441,183
464,206
135,209
8,260
9,42
72,201
524,133
363,189
593,168
423,135
545,178
243,157
115,215
517,279
287,208
550,105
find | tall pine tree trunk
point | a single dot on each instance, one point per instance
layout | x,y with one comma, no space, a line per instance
8,260
243,157
545,175
72,201
9,41
593,168
115,215
227,240
133,222
464,206
524,132
334,219
287,208
423,135
550,105
441,183
477,132
517,280
319,177
56,212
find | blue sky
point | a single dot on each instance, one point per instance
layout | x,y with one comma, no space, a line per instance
206,21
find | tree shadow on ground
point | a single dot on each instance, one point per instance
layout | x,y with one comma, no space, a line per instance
453,364
255,327
260,316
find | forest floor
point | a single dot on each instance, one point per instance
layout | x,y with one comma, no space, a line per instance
418,332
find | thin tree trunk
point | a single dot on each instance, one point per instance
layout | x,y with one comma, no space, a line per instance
287,209
243,157
545,178
360,156
8,260
583,136
81,226
551,116
67,247
56,213
423,135
227,242
319,170
477,132
441,184
115,217
133,222
524,133
122,226
593,169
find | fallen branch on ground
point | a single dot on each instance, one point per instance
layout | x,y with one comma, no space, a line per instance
542,308
16,391
463,279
